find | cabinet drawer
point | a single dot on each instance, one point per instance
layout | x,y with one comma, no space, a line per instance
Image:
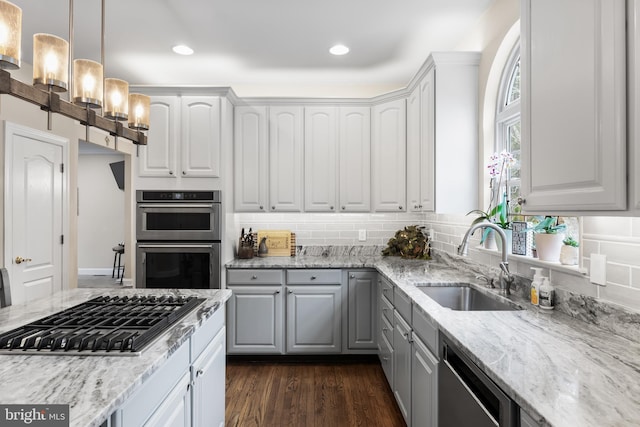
386,359
402,303
387,309
386,288
203,336
254,276
314,277
387,329
426,329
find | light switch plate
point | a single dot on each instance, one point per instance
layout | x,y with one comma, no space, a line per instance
598,269
362,235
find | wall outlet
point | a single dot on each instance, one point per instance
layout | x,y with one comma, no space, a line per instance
362,235
598,269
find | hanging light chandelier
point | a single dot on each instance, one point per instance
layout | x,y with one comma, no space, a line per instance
51,69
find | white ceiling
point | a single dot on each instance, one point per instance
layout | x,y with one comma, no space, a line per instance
248,44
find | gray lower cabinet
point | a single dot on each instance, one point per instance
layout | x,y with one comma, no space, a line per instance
187,390
363,311
255,318
314,318
402,352
424,385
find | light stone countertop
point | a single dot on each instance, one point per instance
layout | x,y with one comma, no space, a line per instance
562,371
93,386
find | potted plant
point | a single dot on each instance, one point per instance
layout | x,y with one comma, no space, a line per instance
548,238
569,253
499,216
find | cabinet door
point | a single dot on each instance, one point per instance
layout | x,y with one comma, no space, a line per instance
363,309
424,386
175,410
355,159
158,157
402,365
251,159
427,165
414,159
208,377
389,156
314,319
573,105
285,159
255,320
320,159
201,136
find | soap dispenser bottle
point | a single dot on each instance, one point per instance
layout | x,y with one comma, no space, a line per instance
535,285
547,295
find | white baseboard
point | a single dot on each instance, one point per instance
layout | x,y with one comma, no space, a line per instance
95,271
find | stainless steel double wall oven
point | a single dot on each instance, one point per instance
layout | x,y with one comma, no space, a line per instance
179,235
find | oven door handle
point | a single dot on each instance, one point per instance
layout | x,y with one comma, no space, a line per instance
175,205
152,246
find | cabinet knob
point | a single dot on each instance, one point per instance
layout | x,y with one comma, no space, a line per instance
261,207
273,208
400,207
313,277
521,201
184,173
420,206
290,291
199,373
386,359
170,172
277,292
415,206
331,207
343,208
254,277
353,276
385,329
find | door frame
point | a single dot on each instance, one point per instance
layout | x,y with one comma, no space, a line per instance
10,129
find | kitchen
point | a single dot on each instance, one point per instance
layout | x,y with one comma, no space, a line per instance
494,34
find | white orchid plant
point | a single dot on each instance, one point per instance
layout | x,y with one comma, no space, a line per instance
498,214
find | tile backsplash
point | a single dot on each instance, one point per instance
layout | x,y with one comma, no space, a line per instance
617,238
331,229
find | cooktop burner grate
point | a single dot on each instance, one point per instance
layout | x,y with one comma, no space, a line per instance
102,326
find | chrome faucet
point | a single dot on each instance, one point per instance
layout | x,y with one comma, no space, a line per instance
506,278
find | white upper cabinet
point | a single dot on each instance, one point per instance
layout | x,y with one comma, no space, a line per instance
633,34
573,105
388,152
158,157
355,158
200,136
189,126
320,159
285,158
251,159
420,146
337,159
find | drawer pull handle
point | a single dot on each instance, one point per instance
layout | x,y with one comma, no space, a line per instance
386,359
385,329
199,373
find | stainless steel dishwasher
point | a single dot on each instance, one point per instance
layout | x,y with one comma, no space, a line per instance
467,397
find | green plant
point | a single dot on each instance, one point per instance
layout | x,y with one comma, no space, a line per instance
498,215
570,241
547,225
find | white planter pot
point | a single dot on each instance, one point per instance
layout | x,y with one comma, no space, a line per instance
509,235
569,255
548,246
490,241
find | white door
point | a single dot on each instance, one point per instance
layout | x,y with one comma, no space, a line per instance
34,222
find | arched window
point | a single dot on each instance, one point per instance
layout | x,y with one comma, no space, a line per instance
508,131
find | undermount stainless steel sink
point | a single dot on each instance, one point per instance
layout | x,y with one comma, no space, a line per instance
465,298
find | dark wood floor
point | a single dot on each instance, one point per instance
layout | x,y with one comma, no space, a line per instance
323,394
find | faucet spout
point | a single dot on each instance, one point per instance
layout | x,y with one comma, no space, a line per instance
504,265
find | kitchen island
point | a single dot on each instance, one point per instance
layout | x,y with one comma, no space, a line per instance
560,370
96,387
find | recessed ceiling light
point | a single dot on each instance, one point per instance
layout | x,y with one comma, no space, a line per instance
182,50
339,49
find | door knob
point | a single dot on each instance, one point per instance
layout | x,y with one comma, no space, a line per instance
20,260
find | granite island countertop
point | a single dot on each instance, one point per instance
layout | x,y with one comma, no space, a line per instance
562,371
92,386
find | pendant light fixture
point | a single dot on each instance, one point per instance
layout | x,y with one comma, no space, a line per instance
50,62
139,106
116,101
10,35
87,83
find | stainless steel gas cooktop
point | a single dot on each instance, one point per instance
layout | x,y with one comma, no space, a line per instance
104,326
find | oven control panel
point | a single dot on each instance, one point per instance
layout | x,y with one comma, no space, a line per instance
177,196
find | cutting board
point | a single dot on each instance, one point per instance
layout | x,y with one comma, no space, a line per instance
278,241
